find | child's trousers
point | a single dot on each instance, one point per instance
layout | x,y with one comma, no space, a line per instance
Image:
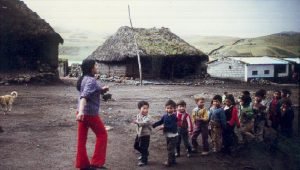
171,146
259,129
141,144
183,135
228,138
216,136
203,129
98,159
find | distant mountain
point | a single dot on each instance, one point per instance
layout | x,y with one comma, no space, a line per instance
78,44
284,44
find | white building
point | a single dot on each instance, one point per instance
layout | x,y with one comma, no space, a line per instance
247,68
294,68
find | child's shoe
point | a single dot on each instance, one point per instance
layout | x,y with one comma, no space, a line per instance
97,167
142,163
177,154
140,158
188,155
204,153
167,164
214,150
194,150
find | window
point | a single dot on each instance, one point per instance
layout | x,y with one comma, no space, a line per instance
254,73
230,67
267,71
280,68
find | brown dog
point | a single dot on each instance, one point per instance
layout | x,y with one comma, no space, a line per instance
7,101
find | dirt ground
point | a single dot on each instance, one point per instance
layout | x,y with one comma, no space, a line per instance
40,132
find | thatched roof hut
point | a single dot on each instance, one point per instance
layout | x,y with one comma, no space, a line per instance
26,40
163,54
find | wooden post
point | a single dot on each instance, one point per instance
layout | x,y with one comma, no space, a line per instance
137,49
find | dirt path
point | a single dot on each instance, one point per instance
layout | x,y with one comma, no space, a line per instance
40,132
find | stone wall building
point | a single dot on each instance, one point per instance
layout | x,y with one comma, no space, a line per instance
247,68
28,44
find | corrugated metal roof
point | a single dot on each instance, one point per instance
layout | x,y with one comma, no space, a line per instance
296,60
260,60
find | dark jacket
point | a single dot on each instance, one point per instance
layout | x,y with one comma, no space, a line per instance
169,122
287,118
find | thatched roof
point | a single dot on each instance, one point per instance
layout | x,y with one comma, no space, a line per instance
18,20
151,42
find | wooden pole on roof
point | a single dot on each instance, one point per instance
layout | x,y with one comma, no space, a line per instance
137,49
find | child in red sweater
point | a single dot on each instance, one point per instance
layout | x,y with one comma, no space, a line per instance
273,115
232,120
185,127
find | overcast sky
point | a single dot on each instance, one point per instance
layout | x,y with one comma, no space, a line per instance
240,18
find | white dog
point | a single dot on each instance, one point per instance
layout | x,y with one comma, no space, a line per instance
7,101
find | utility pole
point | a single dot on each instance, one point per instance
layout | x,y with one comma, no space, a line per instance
137,49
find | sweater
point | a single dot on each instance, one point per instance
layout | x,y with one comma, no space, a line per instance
218,115
184,121
245,114
199,113
169,121
143,125
90,90
231,114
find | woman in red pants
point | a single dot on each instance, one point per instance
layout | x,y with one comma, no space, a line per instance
88,117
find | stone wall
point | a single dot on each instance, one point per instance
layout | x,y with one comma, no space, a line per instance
112,69
63,67
227,68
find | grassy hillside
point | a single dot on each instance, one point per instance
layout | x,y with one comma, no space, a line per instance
78,44
209,43
286,44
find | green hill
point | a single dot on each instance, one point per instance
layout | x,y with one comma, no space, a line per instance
209,43
285,44
79,44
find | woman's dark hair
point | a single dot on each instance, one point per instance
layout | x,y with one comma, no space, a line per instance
231,98
86,68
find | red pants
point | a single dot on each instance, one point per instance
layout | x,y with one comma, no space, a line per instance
98,159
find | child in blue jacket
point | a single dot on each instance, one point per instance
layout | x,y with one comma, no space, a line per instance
169,122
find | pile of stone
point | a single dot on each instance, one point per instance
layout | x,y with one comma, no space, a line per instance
24,78
75,70
260,82
132,81
209,82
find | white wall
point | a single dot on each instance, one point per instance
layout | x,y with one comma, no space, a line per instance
260,71
226,68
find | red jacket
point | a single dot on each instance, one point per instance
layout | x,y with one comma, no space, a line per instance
184,121
232,118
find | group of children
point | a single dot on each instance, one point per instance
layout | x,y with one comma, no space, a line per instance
224,121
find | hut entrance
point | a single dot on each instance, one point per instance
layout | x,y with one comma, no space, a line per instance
178,67
165,67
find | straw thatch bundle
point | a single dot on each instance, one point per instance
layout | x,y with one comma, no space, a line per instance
151,42
27,42
17,19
